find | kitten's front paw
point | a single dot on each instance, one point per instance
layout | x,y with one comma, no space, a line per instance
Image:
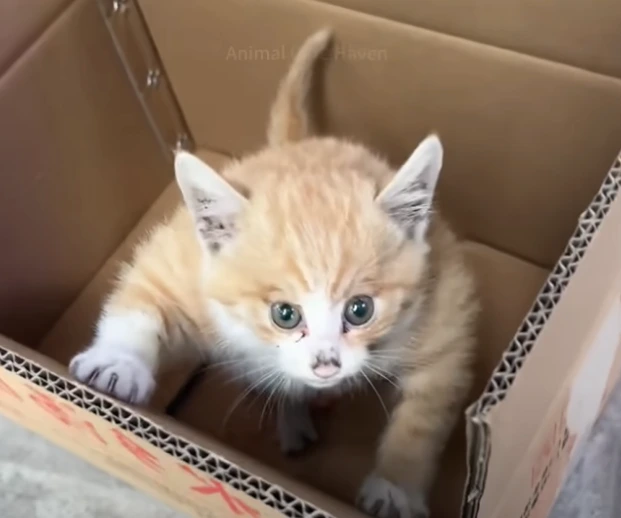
381,498
116,372
296,429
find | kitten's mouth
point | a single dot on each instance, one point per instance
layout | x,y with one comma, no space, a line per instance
325,384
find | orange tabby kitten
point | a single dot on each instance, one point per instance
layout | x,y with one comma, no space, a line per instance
312,264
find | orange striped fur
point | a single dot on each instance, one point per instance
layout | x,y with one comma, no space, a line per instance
314,222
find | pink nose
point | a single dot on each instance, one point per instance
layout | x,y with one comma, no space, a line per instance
326,370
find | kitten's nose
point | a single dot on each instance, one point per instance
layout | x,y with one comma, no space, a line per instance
326,366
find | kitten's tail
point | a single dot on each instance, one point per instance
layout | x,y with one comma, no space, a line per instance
289,117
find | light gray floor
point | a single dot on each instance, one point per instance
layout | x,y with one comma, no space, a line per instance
38,480
592,488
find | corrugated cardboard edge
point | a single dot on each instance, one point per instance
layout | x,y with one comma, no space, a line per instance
134,447
478,428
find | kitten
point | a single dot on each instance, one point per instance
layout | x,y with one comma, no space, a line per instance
312,264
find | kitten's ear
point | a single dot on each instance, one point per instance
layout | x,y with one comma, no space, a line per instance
212,202
407,198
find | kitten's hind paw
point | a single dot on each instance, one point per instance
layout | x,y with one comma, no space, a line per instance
116,372
381,498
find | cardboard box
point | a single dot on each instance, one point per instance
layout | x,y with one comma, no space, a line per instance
95,96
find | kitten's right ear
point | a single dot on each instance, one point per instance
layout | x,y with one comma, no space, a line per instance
213,203
407,199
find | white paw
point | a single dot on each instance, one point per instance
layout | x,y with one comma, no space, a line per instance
381,498
116,372
296,429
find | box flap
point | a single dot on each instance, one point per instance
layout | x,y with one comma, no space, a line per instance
535,376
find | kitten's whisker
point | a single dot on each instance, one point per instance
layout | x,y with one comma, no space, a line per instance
383,370
377,371
245,374
377,394
395,350
280,392
413,364
275,388
280,401
263,390
245,394
387,360
393,356
238,361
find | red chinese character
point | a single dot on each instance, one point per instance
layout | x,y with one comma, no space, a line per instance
62,412
147,458
91,428
6,388
49,404
215,487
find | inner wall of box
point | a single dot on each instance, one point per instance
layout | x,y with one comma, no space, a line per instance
527,145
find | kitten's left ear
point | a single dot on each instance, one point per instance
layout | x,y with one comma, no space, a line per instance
213,203
407,198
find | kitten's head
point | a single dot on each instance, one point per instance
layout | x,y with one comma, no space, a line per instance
318,268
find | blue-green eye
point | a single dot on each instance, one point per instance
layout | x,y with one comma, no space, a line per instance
285,315
359,310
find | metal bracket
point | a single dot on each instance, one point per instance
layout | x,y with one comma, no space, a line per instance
153,77
119,6
132,40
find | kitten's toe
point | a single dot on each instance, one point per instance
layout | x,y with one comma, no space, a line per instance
118,373
296,431
381,498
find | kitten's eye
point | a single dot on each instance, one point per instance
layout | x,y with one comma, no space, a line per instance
359,310
285,315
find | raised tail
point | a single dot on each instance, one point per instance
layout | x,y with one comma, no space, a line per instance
289,117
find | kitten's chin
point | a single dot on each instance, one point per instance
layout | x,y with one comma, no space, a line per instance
336,384
323,385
